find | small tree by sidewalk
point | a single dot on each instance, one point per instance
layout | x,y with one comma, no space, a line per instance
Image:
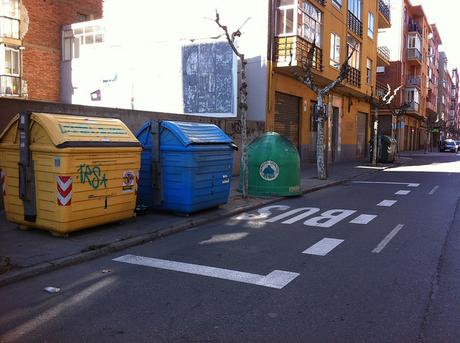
305,75
430,123
378,102
243,99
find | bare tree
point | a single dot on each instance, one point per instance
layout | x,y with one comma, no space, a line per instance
305,75
376,104
243,98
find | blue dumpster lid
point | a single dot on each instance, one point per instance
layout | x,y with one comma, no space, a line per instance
196,133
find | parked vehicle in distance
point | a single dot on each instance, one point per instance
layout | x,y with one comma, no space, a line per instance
448,145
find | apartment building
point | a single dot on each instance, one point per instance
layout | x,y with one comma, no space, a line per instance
409,41
30,44
335,29
444,98
453,113
277,30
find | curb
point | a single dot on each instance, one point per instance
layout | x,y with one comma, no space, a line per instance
144,238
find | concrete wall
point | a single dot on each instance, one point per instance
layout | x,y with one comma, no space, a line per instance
133,119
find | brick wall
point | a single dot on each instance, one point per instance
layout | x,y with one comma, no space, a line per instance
42,54
392,76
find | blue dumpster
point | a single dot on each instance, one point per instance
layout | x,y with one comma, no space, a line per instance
193,169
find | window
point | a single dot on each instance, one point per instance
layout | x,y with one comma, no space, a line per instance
12,61
73,39
9,8
414,42
369,71
412,95
9,27
311,23
285,17
354,6
353,49
335,50
337,3
370,25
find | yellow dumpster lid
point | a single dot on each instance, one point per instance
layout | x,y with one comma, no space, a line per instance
77,131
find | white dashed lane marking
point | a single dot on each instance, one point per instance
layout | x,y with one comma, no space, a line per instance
387,183
387,203
363,219
276,279
387,239
402,192
433,190
323,247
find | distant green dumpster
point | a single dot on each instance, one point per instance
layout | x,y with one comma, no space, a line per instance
273,167
387,149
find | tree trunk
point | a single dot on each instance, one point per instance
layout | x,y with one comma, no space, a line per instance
244,137
320,165
375,132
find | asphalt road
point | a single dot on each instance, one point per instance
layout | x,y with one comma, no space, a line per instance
375,260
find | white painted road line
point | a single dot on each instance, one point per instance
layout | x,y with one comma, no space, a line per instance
387,183
387,203
323,247
363,219
433,190
402,192
388,238
276,279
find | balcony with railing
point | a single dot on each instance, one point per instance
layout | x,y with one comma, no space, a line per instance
380,89
412,26
9,27
294,50
413,106
354,24
12,86
384,21
354,77
383,56
414,81
414,56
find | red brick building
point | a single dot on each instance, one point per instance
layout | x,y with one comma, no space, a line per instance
30,44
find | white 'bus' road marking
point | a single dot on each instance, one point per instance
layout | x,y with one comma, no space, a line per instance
402,192
387,203
433,190
276,279
388,238
323,247
388,183
363,219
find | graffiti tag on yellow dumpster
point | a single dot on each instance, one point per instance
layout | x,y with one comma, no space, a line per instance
92,175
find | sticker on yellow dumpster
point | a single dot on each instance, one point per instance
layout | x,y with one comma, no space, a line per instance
128,181
92,175
64,190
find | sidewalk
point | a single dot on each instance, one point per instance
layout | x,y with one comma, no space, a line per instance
35,251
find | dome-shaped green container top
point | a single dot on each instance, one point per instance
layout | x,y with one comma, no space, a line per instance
273,166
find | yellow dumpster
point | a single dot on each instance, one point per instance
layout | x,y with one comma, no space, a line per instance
65,173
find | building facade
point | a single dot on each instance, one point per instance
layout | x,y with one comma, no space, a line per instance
335,29
30,44
409,38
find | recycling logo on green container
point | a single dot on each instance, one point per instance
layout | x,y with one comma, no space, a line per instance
269,170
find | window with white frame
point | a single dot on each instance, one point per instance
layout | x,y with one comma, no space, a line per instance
370,25
285,10
312,19
414,42
337,3
369,71
412,95
12,62
9,8
335,50
73,39
353,50
354,6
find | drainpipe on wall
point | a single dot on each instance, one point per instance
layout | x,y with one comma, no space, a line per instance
270,41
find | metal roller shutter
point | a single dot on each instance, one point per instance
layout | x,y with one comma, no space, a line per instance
287,118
